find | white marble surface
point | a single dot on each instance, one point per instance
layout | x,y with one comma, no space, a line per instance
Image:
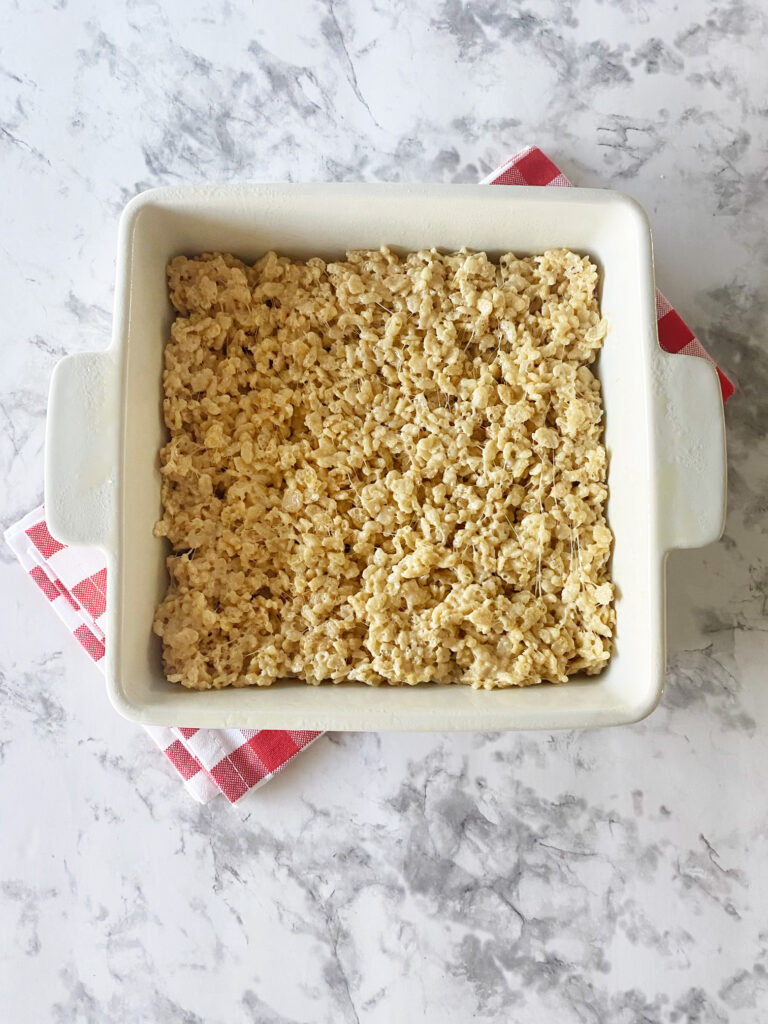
612,876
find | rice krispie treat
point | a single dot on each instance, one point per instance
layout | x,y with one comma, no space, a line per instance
385,469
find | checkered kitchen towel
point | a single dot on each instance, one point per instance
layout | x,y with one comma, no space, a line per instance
234,761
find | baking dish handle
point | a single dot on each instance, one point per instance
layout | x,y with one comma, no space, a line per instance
690,450
81,449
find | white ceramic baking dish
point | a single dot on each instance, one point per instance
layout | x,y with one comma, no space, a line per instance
664,433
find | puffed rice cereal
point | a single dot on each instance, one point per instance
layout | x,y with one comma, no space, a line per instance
386,469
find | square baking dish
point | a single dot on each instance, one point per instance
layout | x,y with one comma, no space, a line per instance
663,430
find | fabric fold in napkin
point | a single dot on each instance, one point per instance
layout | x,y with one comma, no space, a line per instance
233,762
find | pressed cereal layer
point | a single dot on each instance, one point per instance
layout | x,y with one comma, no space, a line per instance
387,469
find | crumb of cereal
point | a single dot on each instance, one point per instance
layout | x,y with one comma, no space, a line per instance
385,470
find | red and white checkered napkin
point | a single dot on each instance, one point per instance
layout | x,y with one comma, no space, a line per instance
234,761
210,761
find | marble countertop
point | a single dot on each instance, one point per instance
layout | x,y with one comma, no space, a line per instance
616,875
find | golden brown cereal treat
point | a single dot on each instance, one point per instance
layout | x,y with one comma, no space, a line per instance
386,470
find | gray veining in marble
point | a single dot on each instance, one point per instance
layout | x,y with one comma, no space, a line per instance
615,876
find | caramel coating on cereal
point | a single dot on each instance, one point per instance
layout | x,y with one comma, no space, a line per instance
385,470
